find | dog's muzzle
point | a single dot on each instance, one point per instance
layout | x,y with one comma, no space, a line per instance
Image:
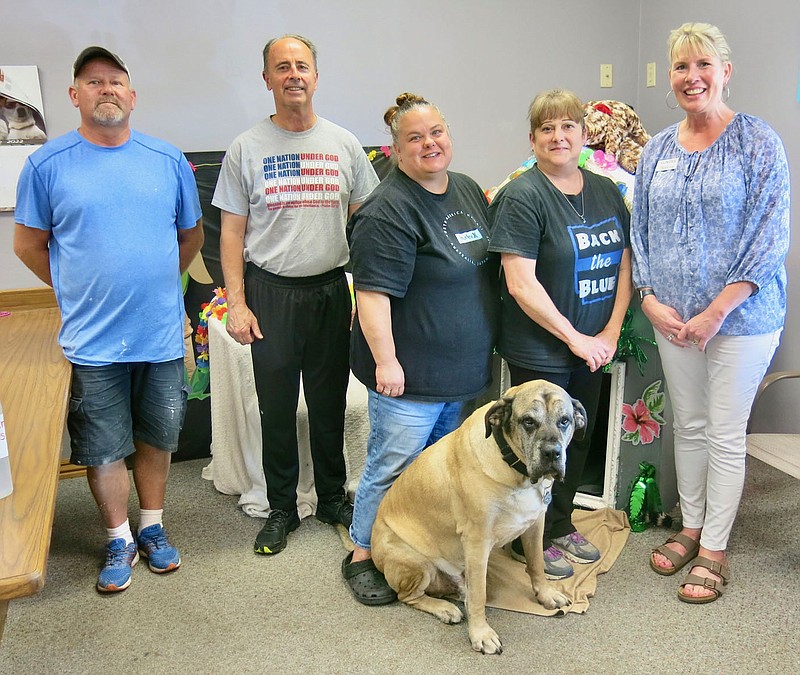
548,461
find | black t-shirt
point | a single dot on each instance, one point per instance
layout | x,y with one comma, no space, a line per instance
429,254
576,263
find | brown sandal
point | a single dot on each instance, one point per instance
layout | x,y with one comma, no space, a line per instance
714,585
678,561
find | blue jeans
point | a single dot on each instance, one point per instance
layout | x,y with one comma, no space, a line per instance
399,430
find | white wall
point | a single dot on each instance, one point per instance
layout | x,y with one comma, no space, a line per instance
196,65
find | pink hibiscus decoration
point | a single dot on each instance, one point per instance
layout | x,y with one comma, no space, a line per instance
642,421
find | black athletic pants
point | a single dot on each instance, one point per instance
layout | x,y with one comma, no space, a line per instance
584,386
306,326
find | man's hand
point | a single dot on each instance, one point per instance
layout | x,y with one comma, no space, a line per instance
242,324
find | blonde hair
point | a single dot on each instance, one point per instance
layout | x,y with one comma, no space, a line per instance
553,104
405,103
698,38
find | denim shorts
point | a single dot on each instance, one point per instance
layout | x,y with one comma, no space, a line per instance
113,406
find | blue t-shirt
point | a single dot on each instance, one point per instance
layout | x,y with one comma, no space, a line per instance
113,215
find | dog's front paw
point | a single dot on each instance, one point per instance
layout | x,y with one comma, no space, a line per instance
485,640
449,613
550,598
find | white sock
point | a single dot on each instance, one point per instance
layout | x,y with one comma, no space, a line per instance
148,517
121,532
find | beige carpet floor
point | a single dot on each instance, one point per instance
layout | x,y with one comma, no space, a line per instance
228,610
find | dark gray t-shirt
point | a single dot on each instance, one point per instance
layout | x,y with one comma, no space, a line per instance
429,254
577,263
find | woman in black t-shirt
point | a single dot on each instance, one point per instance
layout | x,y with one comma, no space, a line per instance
563,236
426,294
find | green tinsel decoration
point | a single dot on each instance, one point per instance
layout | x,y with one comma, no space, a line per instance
628,345
644,505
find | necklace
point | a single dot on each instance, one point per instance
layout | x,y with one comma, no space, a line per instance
566,199
583,206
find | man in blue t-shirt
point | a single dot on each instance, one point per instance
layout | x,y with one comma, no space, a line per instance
110,218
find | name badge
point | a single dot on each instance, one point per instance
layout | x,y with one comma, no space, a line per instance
466,237
667,164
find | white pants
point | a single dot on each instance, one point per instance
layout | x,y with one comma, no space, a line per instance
711,394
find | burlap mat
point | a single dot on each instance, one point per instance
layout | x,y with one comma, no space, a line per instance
509,587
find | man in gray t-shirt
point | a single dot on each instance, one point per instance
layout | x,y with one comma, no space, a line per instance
286,189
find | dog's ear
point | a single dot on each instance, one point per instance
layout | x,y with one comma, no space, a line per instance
499,414
580,418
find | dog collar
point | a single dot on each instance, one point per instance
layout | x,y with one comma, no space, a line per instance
508,454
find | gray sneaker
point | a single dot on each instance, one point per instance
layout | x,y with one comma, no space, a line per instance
555,565
577,548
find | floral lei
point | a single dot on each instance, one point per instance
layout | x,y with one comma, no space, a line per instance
218,307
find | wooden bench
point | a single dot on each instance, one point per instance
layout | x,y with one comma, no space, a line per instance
34,390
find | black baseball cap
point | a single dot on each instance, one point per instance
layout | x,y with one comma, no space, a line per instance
95,52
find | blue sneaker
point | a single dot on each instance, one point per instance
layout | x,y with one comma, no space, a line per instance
120,559
154,545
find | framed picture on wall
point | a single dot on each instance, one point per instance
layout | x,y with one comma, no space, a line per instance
22,126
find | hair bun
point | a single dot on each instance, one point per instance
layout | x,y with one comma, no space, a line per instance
403,100
407,98
388,116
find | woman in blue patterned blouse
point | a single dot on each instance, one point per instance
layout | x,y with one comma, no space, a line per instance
710,232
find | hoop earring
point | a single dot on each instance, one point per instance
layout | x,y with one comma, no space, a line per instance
726,94
666,100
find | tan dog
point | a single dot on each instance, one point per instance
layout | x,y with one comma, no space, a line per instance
461,498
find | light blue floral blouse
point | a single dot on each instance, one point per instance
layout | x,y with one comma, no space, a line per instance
702,220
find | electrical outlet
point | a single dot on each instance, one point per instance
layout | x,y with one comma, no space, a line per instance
651,74
606,75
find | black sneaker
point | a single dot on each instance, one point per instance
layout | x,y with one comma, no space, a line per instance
335,510
272,538
516,550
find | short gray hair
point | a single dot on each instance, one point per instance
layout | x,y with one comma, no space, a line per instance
311,46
